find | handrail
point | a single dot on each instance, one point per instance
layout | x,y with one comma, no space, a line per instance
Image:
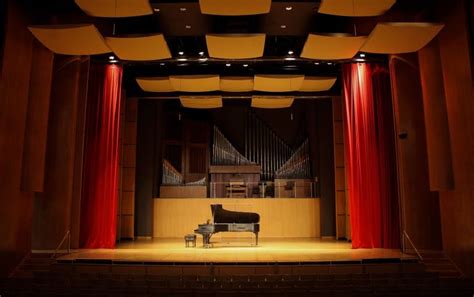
413,245
68,236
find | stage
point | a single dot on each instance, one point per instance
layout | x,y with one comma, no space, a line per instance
236,250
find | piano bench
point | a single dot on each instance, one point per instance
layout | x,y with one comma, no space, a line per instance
190,239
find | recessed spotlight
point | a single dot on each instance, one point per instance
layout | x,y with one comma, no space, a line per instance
316,63
202,59
246,65
180,53
156,9
283,26
329,63
162,64
359,60
111,58
188,26
288,8
201,53
182,9
290,58
290,52
113,61
182,59
227,64
362,55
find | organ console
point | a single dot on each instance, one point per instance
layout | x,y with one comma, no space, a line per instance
228,221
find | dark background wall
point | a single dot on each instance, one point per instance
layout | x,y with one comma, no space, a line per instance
311,118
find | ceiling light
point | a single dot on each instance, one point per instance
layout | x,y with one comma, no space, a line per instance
180,53
202,59
113,61
188,26
201,53
290,52
111,58
316,63
290,58
228,64
156,9
359,60
362,55
162,64
329,63
182,59
288,8
182,9
283,26
246,65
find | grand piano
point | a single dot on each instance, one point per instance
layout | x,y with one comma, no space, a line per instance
228,221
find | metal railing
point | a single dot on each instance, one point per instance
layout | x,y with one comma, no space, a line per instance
240,189
68,237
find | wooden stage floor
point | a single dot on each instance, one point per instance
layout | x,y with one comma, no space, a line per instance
238,250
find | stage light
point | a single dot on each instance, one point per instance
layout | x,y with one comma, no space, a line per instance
329,63
202,59
246,65
316,63
290,58
182,9
113,61
156,9
362,55
289,8
111,57
180,53
228,64
188,26
201,53
283,26
162,64
182,59
290,52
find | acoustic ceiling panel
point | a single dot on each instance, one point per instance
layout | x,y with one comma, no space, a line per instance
201,102
115,8
140,48
398,38
71,39
278,83
237,84
235,46
317,84
234,8
195,83
323,47
155,84
271,102
357,8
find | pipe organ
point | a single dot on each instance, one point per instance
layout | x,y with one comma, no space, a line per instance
170,175
298,165
224,153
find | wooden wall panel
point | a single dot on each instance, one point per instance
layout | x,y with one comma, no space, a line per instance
457,205
419,206
52,214
15,205
34,149
438,141
280,218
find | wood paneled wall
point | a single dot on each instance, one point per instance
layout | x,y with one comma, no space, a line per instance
438,142
128,138
419,206
279,217
457,59
15,205
53,207
343,224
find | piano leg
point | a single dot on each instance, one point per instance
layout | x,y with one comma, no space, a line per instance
205,240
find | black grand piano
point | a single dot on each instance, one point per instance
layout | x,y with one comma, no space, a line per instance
228,221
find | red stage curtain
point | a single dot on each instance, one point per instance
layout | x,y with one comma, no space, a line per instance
370,156
101,155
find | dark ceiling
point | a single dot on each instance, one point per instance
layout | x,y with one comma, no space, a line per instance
184,27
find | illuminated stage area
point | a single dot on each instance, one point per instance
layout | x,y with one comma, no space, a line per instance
236,250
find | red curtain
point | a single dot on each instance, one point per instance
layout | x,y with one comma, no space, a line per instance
370,156
101,152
